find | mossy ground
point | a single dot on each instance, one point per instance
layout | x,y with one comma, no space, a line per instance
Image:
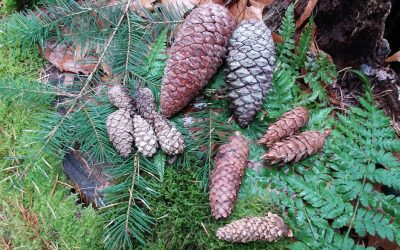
184,218
42,214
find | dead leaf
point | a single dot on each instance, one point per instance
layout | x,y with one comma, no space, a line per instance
394,58
248,9
187,4
66,59
277,38
307,12
140,4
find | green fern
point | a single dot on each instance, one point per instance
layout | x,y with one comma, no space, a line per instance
287,31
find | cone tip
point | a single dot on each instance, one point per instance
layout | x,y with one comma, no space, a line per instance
289,233
327,132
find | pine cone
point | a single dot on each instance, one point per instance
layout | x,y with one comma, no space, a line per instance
230,163
297,147
250,64
196,54
289,124
120,131
170,139
120,97
268,228
145,138
144,103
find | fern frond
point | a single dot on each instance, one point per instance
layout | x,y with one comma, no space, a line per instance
304,44
371,222
287,31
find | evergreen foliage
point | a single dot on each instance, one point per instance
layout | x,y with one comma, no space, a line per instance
125,41
322,198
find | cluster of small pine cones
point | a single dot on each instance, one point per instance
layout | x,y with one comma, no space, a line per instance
136,122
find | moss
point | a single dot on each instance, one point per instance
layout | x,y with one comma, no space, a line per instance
39,215
184,216
18,62
9,6
60,221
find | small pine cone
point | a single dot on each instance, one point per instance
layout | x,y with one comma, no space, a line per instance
120,97
120,131
297,147
170,139
250,65
289,124
230,163
268,228
144,103
145,138
196,54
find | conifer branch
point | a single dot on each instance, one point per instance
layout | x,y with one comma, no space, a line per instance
80,95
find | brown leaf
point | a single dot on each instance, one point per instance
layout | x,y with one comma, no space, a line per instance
248,9
140,4
188,4
394,58
277,38
307,12
77,61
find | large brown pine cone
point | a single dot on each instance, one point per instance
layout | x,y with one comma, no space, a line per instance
120,131
268,228
145,138
250,65
297,147
120,97
196,54
144,103
226,177
289,124
170,139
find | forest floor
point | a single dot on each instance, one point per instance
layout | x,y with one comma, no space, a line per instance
45,214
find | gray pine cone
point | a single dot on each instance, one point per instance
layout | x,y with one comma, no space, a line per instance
120,131
170,139
250,65
145,138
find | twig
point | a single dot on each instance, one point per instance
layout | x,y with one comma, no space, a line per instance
205,229
128,49
54,186
135,173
